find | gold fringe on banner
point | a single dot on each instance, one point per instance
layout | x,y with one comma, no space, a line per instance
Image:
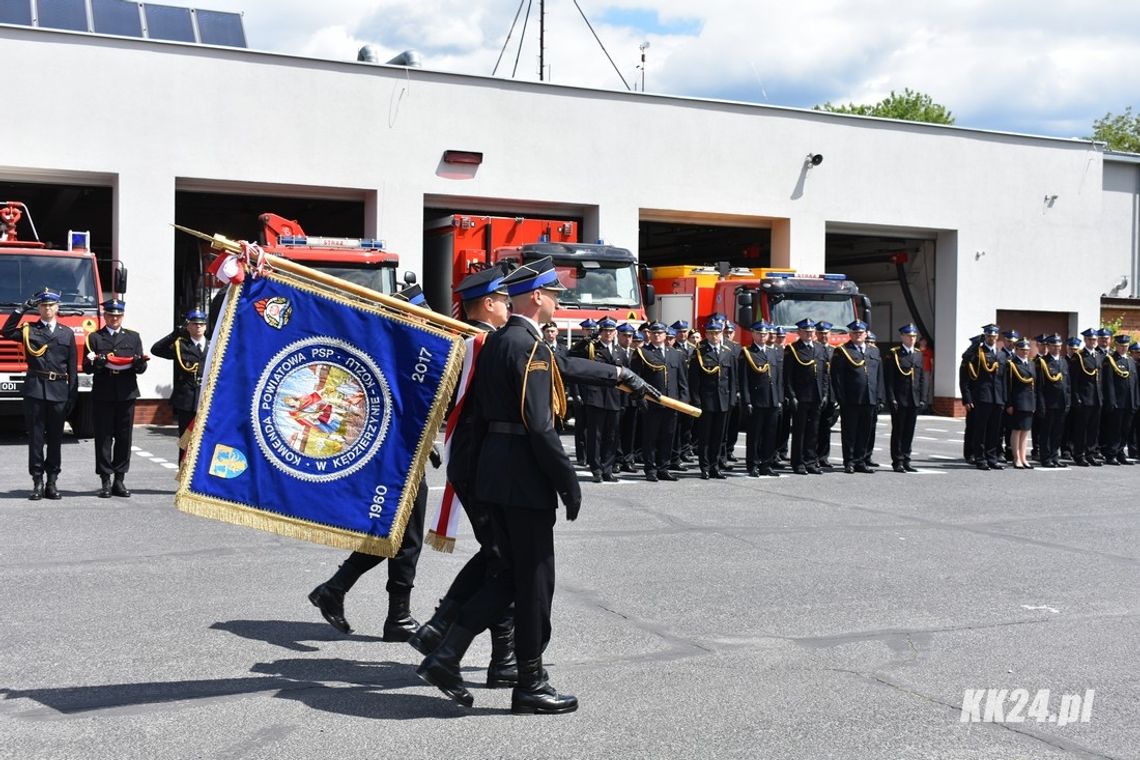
440,543
266,519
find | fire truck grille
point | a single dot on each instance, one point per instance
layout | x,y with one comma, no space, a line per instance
11,352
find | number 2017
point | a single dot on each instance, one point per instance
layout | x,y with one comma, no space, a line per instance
421,365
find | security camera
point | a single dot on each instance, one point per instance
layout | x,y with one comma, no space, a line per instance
815,159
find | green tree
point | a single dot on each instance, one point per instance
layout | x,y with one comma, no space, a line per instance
909,106
1119,131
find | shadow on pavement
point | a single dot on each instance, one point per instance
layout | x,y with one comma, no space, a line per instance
287,634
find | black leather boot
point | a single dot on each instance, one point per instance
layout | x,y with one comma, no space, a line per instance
441,667
37,489
427,638
534,694
51,491
105,489
118,489
330,601
399,625
503,672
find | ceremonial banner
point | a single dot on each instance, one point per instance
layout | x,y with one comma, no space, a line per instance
317,415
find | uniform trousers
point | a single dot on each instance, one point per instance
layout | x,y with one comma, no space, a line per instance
731,433
1086,428
44,422
805,434
682,439
968,435
627,438
710,439
855,429
760,436
579,431
601,438
1113,426
657,429
1051,427
114,424
525,576
903,419
402,567
827,420
987,433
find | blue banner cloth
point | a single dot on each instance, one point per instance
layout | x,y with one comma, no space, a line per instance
317,415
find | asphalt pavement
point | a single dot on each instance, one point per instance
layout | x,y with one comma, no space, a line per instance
832,616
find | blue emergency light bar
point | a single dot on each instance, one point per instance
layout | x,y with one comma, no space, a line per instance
80,241
324,242
793,275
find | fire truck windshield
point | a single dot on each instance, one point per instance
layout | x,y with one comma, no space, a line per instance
378,277
789,310
25,274
598,284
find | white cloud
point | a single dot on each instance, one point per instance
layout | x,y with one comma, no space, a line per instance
1045,66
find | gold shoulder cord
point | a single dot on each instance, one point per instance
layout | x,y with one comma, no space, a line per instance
36,352
1081,361
193,368
847,356
990,368
590,350
700,362
1045,369
1119,372
752,363
655,367
903,372
1015,373
557,390
801,362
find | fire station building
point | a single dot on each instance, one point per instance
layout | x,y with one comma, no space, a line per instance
945,226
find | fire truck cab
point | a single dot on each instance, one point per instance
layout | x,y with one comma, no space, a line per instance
27,266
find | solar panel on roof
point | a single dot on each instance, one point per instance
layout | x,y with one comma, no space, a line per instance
16,12
63,14
217,28
165,22
117,17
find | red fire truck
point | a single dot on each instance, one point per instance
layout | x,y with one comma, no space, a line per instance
600,279
27,266
780,296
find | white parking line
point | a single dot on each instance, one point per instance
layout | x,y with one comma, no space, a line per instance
170,465
932,430
920,437
923,471
943,456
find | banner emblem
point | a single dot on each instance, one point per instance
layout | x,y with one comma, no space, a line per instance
227,462
321,409
275,311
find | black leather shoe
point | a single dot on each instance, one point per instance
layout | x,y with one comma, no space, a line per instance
51,491
731,457
503,670
982,466
996,465
105,489
1080,462
864,469
800,470
534,694
627,467
609,477
704,474
118,489
651,476
825,464
399,625
677,467
872,463
1112,462
1124,460
37,490
1096,463
666,475
441,667
768,472
908,467
813,470
330,602
427,638
596,475
753,472
718,475
898,468
849,469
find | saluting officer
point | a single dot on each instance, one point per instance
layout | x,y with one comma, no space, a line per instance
665,369
712,382
806,380
1084,376
1121,400
186,346
905,387
985,393
115,357
857,381
50,387
762,395
1052,401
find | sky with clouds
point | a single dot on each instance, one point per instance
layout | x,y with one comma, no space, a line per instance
1046,67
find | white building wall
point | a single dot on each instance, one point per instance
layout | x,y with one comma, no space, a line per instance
157,116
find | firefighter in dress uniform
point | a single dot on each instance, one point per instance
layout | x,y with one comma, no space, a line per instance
665,369
712,383
186,347
1121,400
628,417
733,424
115,358
1052,401
857,382
1021,402
580,348
829,415
905,387
805,387
762,395
1084,378
985,394
683,437
50,388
